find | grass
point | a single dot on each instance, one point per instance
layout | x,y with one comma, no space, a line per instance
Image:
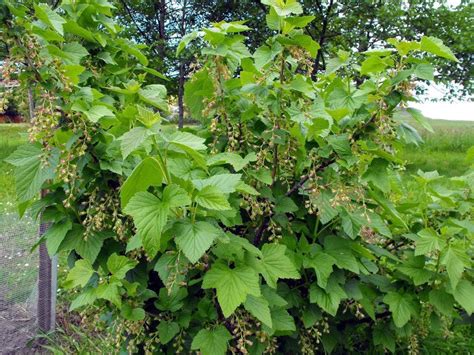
11,136
444,150
17,264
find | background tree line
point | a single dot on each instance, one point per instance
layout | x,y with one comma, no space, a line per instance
354,25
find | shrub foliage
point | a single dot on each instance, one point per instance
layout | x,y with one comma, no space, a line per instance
279,223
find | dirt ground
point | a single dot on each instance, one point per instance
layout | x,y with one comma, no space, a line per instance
17,328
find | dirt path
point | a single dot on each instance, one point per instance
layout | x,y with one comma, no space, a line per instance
17,328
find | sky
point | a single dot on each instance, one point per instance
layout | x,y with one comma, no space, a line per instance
458,110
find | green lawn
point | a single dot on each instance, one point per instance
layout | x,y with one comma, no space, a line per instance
444,150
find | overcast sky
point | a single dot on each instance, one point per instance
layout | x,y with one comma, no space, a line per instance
459,110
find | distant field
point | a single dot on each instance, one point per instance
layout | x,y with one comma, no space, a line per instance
444,150
11,136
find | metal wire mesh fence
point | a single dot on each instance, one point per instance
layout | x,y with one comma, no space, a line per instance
27,286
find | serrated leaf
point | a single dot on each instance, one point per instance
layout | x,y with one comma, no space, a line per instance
464,295
150,216
435,45
95,113
55,235
212,198
50,17
154,95
276,265
110,292
119,265
132,140
402,306
80,273
188,139
328,298
147,173
194,239
455,259
428,242
167,330
284,8
442,301
130,313
259,308
227,183
212,342
232,285
147,117
322,264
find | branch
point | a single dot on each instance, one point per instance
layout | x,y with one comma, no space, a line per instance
266,219
144,34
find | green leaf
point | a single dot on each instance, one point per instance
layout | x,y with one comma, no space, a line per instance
80,273
175,196
147,117
285,204
328,298
464,295
299,83
212,198
384,336
442,301
232,285
89,248
237,162
424,71
226,183
130,313
49,17
154,95
196,91
373,64
29,179
402,306
74,52
376,173
212,342
133,139
284,7
276,265
187,38
428,242
418,116
110,292
150,216
132,49
189,140
147,173
414,268
95,113
299,21
435,45
455,259
167,330
259,308
322,264
87,297
119,265
195,239
282,321
55,235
